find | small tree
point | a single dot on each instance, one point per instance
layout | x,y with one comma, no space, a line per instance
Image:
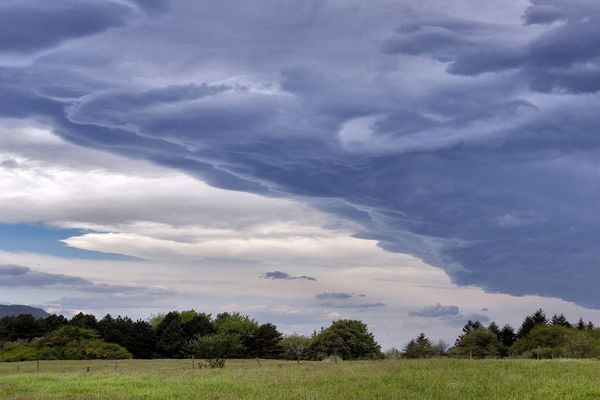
478,343
295,346
214,349
420,347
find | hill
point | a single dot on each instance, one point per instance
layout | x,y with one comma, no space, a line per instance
6,311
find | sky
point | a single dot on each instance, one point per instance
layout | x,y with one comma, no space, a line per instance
413,164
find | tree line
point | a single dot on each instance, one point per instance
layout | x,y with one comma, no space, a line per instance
537,337
177,334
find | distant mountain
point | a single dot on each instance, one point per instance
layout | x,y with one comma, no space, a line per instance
17,309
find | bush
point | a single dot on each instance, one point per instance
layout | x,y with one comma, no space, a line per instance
66,343
215,349
478,343
557,341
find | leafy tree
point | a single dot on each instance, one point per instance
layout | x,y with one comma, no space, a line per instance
215,349
420,347
194,323
556,341
86,321
267,342
348,339
240,326
536,319
560,320
478,343
170,340
53,322
295,346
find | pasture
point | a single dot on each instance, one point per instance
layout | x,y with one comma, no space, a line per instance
245,379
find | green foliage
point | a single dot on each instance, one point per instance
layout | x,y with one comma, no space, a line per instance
239,326
530,322
295,346
420,347
478,343
66,343
557,341
215,349
267,342
348,339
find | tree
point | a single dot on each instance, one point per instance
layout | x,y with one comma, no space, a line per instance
560,320
536,319
589,326
420,347
580,324
240,326
170,337
348,339
22,326
468,328
267,342
507,335
493,327
295,346
478,343
86,321
556,341
196,324
215,349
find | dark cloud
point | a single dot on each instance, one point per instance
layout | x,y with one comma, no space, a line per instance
29,25
338,296
484,170
562,58
277,275
435,311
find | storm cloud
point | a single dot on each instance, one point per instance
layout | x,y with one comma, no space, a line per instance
468,143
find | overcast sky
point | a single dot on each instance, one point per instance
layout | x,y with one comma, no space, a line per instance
413,164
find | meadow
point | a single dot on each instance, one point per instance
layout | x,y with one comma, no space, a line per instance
274,379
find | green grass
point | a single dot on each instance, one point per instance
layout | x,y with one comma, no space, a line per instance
419,379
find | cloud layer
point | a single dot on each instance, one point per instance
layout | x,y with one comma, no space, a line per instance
470,144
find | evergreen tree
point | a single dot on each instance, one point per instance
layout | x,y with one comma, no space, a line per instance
170,343
267,342
536,319
580,324
589,326
493,327
507,336
560,320
420,347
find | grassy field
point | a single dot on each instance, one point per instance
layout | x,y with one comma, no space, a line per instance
419,379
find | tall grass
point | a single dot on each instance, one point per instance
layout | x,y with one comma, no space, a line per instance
390,379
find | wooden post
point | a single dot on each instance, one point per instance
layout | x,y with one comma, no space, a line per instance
258,361
193,366
38,364
87,369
